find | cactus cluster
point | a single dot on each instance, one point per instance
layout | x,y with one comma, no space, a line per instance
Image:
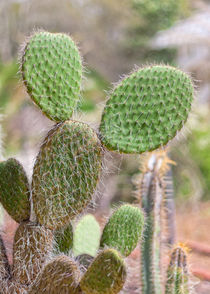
143,112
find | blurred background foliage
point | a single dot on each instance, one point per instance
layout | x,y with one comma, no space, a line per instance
113,36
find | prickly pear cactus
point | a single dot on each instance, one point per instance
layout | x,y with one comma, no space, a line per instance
106,275
14,190
60,275
124,229
146,109
65,173
52,71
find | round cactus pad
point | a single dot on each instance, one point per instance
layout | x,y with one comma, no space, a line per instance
52,71
106,274
146,109
65,173
124,229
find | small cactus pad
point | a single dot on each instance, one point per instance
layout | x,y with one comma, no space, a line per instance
106,275
52,71
177,273
66,173
146,109
61,275
124,229
32,246
14,190
64,239
86,236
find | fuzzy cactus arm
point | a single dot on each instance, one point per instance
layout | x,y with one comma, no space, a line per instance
14,190
51,68
177,273
33,245
61,275
106,274
124,229
146,109
66,173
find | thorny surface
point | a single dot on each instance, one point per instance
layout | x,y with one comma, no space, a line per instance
199,219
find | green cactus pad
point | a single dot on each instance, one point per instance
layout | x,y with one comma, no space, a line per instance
124,229
52,71
64,239
61,275
33,245
86,236
106,275
14,190
66,173
146,109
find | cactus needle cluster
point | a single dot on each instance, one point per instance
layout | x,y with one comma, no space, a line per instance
143,112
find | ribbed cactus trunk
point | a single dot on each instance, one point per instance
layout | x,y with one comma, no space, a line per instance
152,194
151,245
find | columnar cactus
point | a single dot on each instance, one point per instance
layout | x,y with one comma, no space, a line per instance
143,112
177,273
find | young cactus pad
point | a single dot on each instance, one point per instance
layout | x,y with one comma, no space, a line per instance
61,275
14,190
106,275
123,229
86,236
65,173
146,109
52,71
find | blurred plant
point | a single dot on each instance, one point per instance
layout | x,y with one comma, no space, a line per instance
154,16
